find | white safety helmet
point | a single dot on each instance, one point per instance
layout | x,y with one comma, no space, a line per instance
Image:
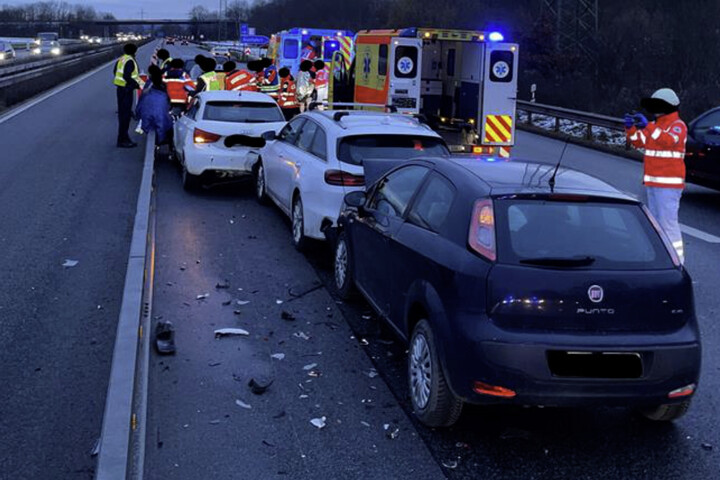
662,101
667,95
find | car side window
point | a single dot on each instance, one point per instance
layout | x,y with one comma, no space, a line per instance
393,193
433,203
702,127
307,135
192,112
319,145
290,131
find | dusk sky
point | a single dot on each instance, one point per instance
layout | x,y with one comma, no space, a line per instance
132,8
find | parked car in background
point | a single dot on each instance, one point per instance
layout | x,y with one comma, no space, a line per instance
7,52
318,158
511,292
170,41
184,43
220,52
702,159
216,137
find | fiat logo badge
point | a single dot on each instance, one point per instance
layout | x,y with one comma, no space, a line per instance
596,293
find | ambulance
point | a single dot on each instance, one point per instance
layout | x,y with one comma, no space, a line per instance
463,83
289,47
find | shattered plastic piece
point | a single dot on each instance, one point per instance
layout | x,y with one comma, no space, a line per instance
267,444
203,296
364,423
258,387
364,342
302,335
96,448
372,373
70,263
319,422
277,356
278,302
303,396
165,338
707,446
392,434
309,366
366,317
226,303
214,422
214,364
237,312
230,331
243,302
451,464
285,315
221,285
314,373
242,404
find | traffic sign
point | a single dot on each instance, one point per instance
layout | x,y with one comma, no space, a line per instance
244,29
254,39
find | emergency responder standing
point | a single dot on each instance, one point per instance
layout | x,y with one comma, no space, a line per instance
305,84
209,80
229,67
126,80
270,84
164,60
196,70
288,94
243,79
664,166
179,85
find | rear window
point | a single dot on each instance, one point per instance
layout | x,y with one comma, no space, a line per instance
354,150
243,112
614,236
291,49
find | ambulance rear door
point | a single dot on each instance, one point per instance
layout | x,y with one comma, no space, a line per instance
405,70
290,49
496,112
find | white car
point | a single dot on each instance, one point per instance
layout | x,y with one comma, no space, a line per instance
318,158
220,52
220,130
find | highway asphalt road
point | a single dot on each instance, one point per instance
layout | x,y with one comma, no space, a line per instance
66,193
55,344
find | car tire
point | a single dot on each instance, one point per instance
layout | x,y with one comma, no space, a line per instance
190,182
297,220
260,189
343,272
433,402
666,413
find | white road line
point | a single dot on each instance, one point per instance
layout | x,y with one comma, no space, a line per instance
694,232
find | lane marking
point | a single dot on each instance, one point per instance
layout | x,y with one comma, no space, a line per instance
694,232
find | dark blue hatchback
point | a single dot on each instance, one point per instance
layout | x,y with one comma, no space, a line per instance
509,291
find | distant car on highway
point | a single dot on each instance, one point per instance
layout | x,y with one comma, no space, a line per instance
47,48
220,52
318,157
510,292
702,159
96,40
217,135
170,41
7,52
184,43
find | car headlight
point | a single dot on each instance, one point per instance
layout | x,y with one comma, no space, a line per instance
37,51
2,55
55,51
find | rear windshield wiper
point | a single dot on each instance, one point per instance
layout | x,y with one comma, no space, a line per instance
559,261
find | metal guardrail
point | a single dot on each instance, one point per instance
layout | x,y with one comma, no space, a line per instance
559,113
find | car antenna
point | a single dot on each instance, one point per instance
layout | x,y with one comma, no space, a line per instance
551,181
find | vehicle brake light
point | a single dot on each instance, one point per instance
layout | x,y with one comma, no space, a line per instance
682,392
481,237
493,390
201,136
343,179
666,241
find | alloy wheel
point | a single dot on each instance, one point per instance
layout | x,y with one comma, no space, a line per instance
420,371
341,259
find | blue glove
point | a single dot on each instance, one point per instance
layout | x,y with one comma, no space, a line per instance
629,122
640,121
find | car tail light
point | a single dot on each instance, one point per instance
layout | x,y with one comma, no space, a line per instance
493,390
201,136
343,179
666,241
685,391
481,237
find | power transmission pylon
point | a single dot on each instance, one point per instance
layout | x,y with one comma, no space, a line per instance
576,25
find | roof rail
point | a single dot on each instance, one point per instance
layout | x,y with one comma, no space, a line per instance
337,116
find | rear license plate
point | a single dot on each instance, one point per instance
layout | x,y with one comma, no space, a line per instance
577,364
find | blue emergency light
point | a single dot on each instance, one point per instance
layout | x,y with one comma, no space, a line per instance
496,37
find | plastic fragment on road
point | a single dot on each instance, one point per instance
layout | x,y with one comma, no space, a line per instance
364,423
214,422
70,263
372,373
242,404
96,448
226,303
202,296
319,422
707,446
364,342
164,337
278,356
220,332
285,315
278,302
222,285
242,302
258,387
301,335
451,464
310,366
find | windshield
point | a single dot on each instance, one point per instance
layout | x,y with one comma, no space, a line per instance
577,235
355,149
243,112
47,37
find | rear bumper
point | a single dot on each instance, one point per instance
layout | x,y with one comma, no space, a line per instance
200,159
519,361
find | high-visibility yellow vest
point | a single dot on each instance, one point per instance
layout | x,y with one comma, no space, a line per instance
120,70
165,63
212,81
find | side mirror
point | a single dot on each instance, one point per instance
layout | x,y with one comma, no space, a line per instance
269,136
356,199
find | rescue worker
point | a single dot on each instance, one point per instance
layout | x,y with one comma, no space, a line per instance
164,59
229,67
270,82
196,70
244,79
179,85
153,108
209,80
305,85
288,94
309,52
664,166
127,80
321,80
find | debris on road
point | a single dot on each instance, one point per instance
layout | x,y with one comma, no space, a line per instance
451,464
372,373
267,444
214,364
96,448
70,263
707,446
278,302
222,285
226,303
278,356
392,433
319,422
302,335
285,315
214,422
364,342
242,302
279,415
364,423
164,337
237,312
258,387
242,404
230,331
202,296
302,290
310,366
